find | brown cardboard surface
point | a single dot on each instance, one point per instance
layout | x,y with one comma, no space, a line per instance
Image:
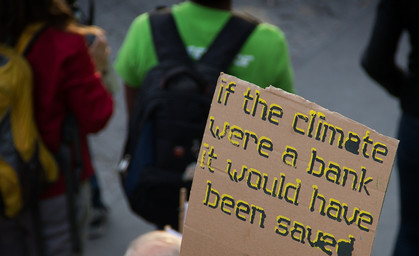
279,175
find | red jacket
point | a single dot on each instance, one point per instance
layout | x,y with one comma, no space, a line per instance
65,81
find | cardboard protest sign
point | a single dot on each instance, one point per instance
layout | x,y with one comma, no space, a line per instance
279,175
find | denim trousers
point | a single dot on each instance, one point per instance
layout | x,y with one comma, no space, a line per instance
408,169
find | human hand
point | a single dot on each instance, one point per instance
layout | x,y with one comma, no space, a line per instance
99,50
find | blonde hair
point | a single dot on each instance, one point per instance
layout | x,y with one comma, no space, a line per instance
155,243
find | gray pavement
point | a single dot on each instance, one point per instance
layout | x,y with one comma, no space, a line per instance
325,37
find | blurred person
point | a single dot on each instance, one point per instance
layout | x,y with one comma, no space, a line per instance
66,81
263,59
155,243
393,18
99,51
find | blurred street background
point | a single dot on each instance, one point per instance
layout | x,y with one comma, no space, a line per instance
325,38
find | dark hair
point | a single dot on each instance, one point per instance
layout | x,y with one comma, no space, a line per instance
218,4
15,15
205,2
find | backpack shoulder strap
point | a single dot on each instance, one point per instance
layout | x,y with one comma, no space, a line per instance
28,37
169,44
167,41
236,31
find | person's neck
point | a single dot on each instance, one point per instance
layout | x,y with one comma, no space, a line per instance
222,5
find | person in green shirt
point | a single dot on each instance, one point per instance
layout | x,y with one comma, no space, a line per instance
263,59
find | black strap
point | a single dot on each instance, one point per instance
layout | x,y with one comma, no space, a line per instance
167,41
33,40
71,163
221,54
169,44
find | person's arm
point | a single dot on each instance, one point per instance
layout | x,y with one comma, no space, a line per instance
378,59
98,47
99,50
131,62
130,97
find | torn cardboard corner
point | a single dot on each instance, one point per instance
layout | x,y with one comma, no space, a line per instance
279,175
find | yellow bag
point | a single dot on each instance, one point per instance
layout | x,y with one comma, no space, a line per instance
25,163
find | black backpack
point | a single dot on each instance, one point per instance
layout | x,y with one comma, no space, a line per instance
169,118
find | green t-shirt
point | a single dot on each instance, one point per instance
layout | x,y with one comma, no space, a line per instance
263,59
